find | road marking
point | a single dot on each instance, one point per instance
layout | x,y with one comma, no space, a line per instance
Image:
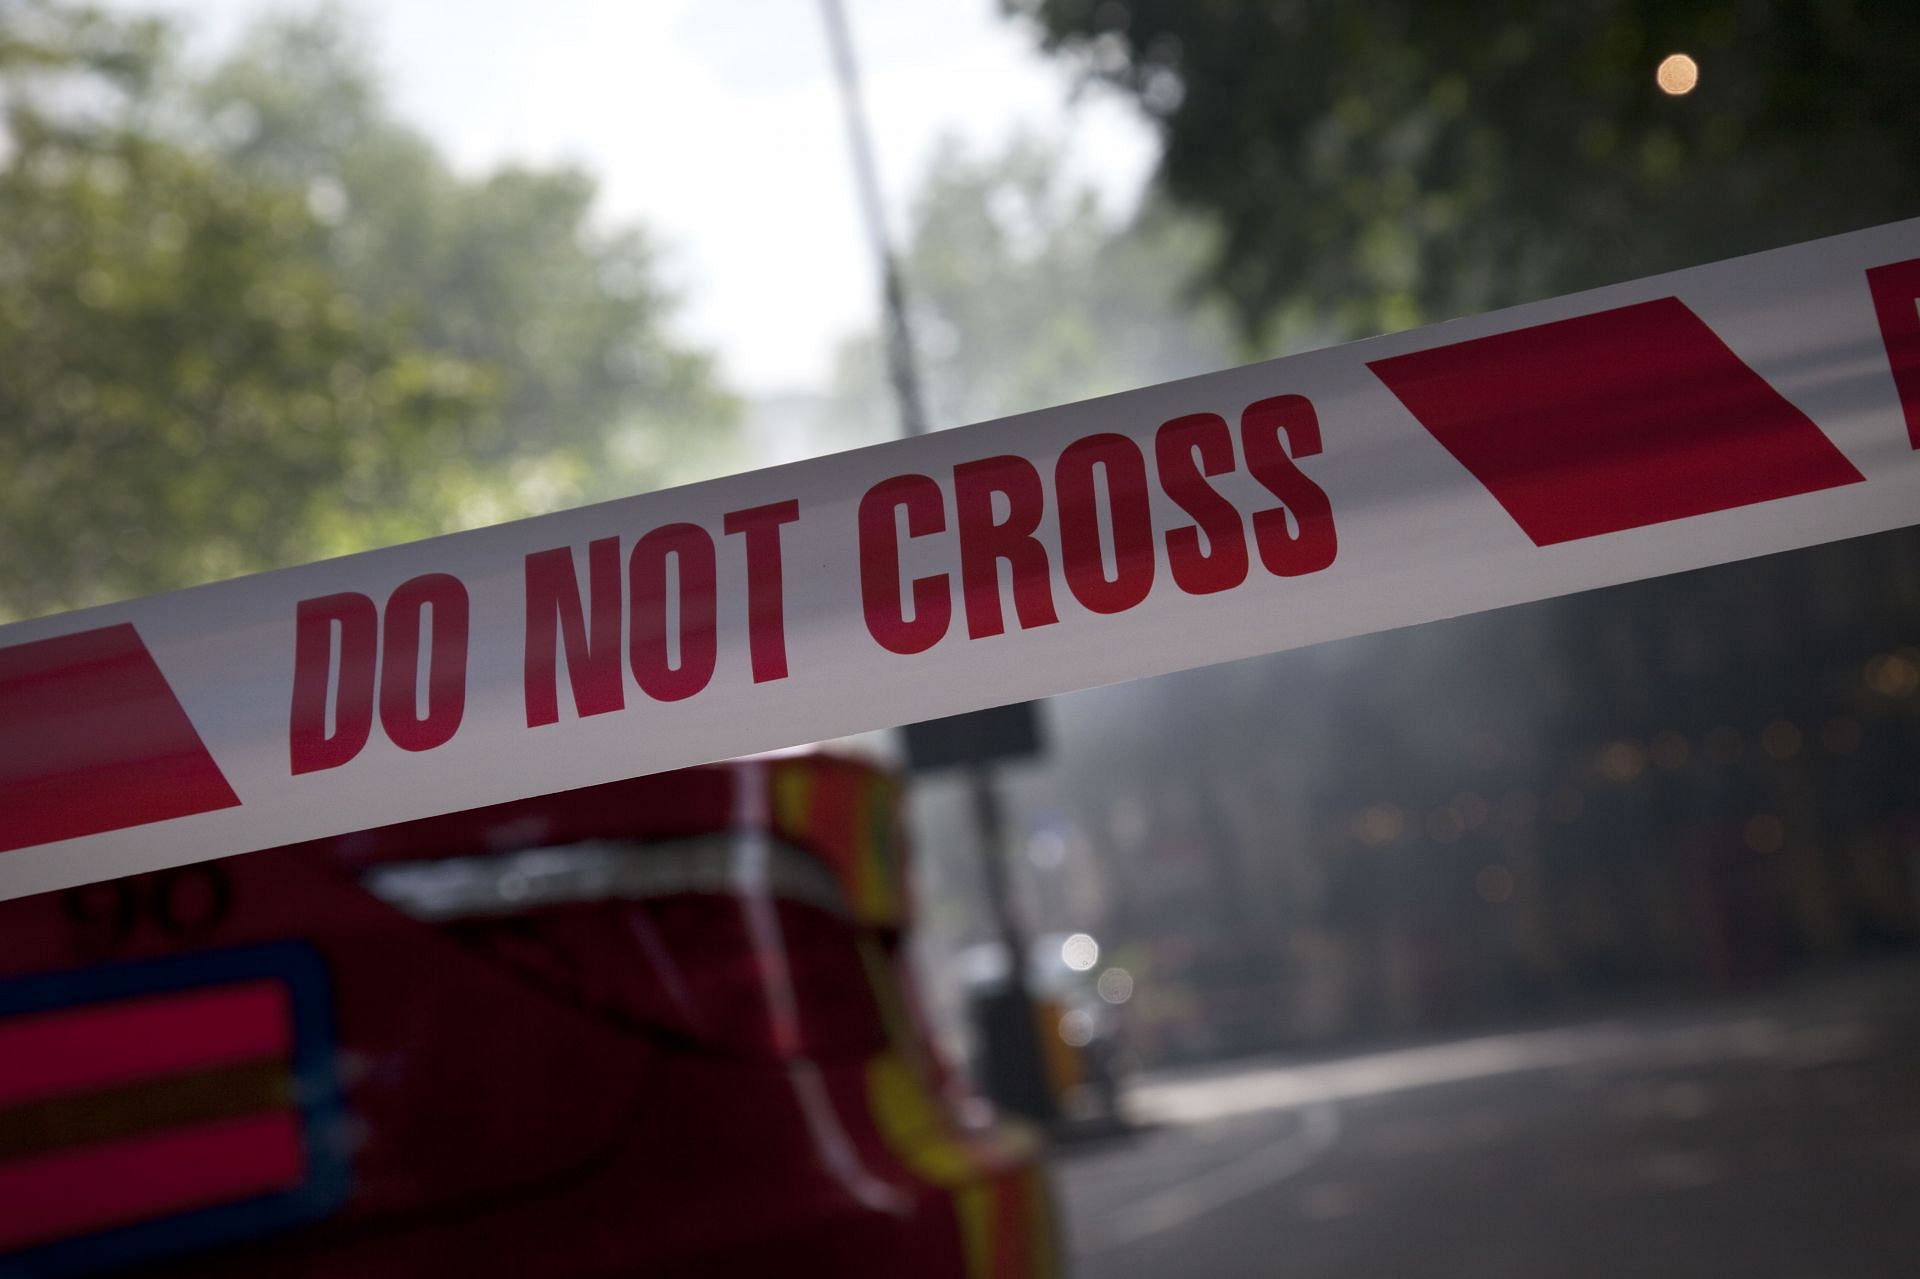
1318,1130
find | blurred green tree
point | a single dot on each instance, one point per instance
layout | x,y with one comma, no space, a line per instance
1397,162
226,345
510,269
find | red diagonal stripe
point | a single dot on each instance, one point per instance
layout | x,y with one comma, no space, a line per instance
82,1049
117,1183
1896,304
92,739
1612,421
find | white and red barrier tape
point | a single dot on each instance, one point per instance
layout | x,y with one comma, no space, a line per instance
1727,411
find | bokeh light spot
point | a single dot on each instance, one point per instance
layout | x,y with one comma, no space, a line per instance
1494,884
1080,952
1621,761
1894,675
1677,74
1379,825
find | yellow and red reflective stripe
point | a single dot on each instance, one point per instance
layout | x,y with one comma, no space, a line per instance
113,1183
848,815
78,1050
130,1110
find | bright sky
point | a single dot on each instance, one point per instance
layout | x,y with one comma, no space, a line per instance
717,124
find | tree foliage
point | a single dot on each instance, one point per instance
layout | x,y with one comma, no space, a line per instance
510,270
1399,161
1393,162
246,319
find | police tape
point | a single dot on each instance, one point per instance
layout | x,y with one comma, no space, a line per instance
1689,419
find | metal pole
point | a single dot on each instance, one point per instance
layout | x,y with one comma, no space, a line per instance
1017,1069
902,366
1015,1063
990,819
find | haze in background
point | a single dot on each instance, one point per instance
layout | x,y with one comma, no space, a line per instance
716,126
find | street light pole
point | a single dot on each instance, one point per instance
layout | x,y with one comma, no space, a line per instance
902,365
1016,1074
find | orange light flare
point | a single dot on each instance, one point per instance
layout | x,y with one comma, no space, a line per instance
1677,75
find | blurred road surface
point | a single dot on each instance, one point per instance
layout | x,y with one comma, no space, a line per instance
1776,1135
